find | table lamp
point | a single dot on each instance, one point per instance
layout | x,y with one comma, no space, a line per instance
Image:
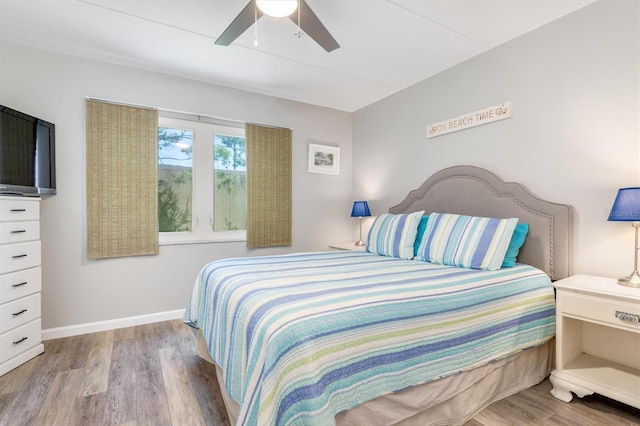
360,209
626,208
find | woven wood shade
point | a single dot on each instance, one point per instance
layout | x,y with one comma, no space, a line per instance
122,194
268,186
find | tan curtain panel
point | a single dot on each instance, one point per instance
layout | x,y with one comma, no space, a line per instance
268,186
122,194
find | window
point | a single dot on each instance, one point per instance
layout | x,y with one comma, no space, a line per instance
175,179
230,180
202,187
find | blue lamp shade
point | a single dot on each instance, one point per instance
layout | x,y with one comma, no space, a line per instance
626,207
360,209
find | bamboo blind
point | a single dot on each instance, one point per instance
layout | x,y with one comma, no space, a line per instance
268,186
122,155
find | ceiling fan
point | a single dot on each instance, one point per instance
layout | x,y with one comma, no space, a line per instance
304,18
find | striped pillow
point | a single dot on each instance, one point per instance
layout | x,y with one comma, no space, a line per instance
466,241
394,234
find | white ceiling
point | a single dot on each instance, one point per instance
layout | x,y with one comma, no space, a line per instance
386,45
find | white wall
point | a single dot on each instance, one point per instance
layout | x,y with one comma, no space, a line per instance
77,290
573,137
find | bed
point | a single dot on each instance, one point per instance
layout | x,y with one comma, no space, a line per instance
293,343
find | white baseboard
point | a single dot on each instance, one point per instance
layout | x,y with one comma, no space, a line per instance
92,327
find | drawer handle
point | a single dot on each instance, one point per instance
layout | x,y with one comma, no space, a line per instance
19,284
625,316
19,231
19,313
17,342
18,256
18,210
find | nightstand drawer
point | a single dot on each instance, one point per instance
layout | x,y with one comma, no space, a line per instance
19,312
20,284
14,257
18,232
20,339
19,209
617,313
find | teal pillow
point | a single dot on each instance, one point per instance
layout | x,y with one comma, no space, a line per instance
517,240
421,227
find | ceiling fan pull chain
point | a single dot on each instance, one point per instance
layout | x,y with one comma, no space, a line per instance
299,33
255,25
299,18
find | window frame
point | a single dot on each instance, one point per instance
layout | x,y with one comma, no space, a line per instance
203,191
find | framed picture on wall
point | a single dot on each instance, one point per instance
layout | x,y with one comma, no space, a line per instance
324,159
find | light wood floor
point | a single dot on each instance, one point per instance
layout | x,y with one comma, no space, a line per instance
151,375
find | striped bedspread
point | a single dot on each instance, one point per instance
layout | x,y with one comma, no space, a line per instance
302,337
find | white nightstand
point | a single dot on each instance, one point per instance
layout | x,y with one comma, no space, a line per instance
597,339
347,246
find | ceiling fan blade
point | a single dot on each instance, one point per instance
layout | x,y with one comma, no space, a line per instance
244,20
311,25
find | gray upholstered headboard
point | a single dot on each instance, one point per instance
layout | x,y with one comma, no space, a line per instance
475,191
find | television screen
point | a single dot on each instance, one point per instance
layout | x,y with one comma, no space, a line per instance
27,154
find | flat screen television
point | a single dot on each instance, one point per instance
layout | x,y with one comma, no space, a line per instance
27,154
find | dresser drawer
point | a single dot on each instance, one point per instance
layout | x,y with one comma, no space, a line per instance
18,312
17,232
14,209
618,313
19,284
14,257
20,339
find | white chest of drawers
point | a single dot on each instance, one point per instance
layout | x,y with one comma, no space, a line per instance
20,281
597,339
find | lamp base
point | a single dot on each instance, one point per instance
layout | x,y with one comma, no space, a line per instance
632,280
360,243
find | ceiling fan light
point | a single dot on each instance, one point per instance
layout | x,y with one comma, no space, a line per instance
277,8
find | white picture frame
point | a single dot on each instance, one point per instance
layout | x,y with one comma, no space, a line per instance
324,159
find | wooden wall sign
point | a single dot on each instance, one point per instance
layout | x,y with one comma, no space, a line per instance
483,116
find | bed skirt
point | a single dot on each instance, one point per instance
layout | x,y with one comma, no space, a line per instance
449,401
